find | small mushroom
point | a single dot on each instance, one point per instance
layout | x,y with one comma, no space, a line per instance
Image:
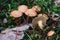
4,20
36,8
39,15
50,33
30,13
41,21
23,8
16,13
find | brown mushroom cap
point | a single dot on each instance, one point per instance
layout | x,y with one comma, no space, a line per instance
39,15
30,13
50,33
16,13
36,8
23,8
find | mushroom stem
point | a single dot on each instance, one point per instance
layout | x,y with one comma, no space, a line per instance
24,20
16,21
27,19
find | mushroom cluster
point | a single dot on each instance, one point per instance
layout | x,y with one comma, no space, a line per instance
29,20
24,9
39,20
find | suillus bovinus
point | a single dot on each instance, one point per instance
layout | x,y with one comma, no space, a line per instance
40,21
30,13
51,33
16,14
22,8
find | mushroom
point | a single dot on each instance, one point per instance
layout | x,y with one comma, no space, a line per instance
50,33
23,8
5,20
16,13
36,8
30,13
39,15
40,21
